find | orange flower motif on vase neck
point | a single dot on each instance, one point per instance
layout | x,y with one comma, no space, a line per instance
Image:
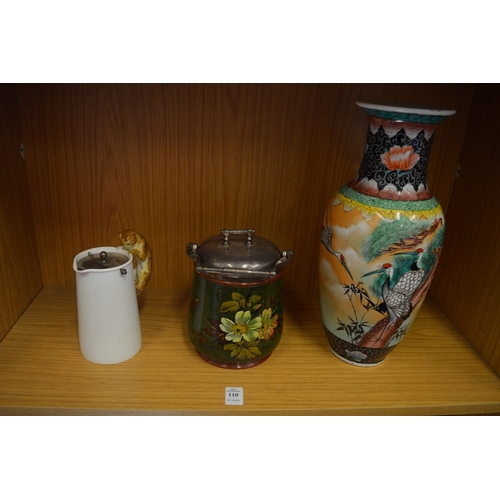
400,158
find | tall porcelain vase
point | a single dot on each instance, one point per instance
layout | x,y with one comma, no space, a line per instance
381,237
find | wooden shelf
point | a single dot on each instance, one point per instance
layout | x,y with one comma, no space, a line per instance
433,371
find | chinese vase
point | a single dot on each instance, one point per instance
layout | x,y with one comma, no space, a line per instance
381,237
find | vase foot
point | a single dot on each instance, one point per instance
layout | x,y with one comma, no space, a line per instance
354,354
351,362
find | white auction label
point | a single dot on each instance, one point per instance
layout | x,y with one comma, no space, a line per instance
234,395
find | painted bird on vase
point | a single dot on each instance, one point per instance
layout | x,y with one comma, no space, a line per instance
398,298
326,239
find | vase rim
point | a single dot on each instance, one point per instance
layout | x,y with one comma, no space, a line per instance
414,109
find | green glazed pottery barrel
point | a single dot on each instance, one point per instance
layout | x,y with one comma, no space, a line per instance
236,309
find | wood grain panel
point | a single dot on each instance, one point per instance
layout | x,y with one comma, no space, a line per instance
181,162
433,371
20,277
466,286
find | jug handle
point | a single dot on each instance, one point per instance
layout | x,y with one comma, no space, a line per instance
135,243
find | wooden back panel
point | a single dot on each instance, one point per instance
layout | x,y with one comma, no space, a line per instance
466,287
181,162
20,276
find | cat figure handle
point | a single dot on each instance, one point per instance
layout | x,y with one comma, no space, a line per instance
135,243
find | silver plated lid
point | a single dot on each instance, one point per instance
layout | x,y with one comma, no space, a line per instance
239,255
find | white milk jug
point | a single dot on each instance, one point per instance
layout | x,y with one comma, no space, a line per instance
107,285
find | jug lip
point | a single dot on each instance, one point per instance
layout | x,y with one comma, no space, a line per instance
98,250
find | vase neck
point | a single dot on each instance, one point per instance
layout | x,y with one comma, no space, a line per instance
394,165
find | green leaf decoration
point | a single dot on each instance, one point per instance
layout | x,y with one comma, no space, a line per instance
229,306
245,354
254,299
237,352
237,297
243,350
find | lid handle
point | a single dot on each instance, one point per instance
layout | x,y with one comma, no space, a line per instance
227,232
286,256
191,250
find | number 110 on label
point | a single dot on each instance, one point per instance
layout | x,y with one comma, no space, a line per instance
234,395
